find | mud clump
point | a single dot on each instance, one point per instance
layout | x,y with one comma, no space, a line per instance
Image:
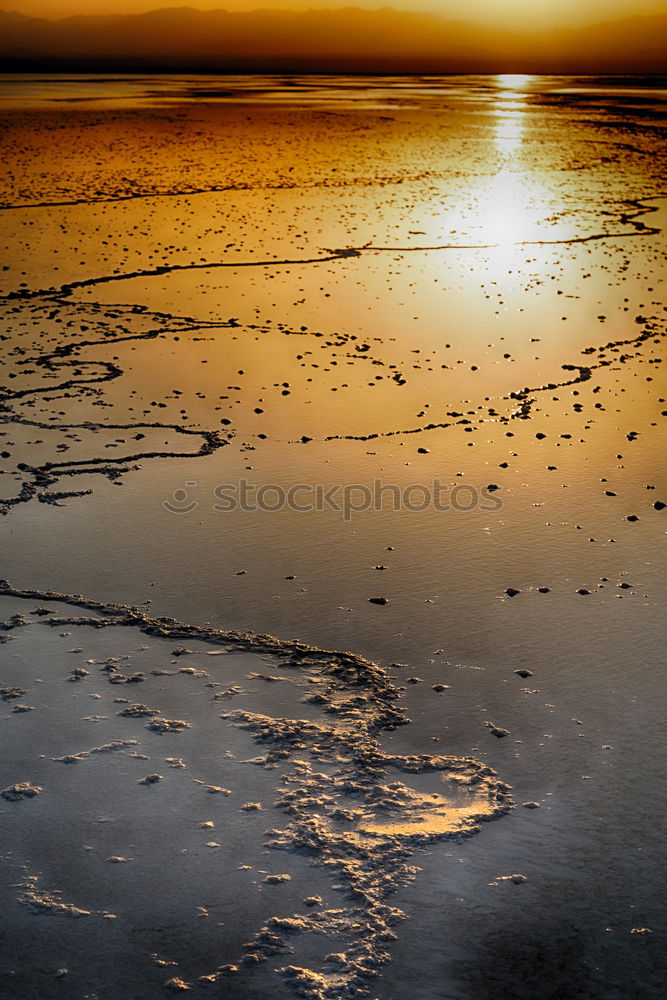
177,985
114,746
24,790
161,725
9,693
46,901
138,711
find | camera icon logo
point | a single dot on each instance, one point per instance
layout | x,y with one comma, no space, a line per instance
181,503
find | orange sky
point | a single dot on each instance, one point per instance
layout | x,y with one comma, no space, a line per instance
533,13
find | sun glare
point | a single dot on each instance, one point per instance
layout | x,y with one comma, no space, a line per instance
513,81
510,111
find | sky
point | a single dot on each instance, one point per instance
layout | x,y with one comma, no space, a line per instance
529,13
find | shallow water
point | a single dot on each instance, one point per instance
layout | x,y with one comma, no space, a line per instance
376,284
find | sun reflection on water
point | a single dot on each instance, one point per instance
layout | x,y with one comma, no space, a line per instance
513,81
507,206
510,112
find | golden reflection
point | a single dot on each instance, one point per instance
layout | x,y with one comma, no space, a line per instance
506,212
509,133
513,81
510,111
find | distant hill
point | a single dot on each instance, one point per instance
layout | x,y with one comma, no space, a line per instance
322,41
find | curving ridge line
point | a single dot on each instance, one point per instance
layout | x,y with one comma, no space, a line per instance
624,218
125,614
71,286
522,396
215,189
334,254
48,473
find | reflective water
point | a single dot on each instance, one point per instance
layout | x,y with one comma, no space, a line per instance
354,282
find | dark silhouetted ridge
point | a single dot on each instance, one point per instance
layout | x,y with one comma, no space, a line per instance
329,41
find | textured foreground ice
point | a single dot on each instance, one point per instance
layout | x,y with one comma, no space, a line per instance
142,789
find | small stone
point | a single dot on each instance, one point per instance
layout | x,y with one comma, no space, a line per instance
500,733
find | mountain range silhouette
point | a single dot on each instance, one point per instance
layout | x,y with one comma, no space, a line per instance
344,40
